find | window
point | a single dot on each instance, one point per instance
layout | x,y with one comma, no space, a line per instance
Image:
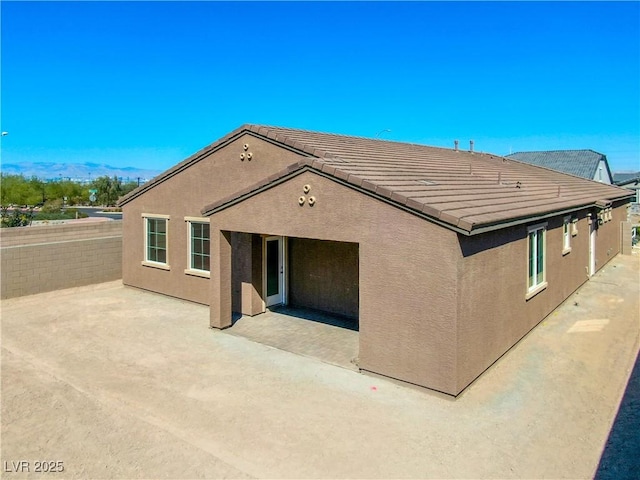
537,248
198,249
566,235
156,243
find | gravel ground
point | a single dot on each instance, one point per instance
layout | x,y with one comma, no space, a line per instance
111,382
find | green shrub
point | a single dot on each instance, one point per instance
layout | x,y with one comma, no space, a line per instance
52,206
67,215
16,218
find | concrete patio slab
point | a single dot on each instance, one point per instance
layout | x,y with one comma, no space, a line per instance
120,383
306,332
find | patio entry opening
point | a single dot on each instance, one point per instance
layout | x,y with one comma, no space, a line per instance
311,295
324,276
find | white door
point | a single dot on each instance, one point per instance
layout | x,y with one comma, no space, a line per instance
592,246
274,271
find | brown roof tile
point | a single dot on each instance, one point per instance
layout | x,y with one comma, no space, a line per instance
398,197
384,191
329,169
355,180
367,185
452,185
465,190
341,174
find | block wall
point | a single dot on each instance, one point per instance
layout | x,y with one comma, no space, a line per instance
46,258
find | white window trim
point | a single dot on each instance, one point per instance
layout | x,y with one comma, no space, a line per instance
155,215
149,263
194,271
574,227
566,237
535,289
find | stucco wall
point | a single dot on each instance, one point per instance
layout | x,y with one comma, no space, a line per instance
46,258
608,236
324,275
435,309
407,272
494,312
218,175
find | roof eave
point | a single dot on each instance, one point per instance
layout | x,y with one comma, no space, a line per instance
462,227
488,227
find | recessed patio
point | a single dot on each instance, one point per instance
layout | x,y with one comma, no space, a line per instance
330,338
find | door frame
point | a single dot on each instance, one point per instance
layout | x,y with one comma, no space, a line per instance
282,264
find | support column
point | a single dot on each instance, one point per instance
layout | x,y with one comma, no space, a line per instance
247,274
220,309
257,303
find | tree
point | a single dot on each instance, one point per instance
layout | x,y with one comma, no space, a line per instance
128,187
38,187
109,189
18,190
115,191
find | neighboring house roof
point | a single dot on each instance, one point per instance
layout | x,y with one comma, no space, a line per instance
468,192
626,178
581,163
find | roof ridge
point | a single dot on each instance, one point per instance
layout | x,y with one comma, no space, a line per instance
256,127
560,151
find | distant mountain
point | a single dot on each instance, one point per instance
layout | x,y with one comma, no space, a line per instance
75,171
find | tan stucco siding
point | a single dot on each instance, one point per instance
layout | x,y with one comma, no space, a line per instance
407,284
608,236
216,176
324,275
494,312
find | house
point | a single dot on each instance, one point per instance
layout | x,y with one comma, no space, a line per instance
444,258
630,181
581,163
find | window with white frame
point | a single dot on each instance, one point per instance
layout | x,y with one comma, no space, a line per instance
156,240
199,254
566,235
537,258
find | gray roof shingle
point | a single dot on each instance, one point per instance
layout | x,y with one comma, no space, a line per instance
621,178
581,163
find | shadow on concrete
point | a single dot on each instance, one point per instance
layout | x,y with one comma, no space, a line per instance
318,316
303,331
621,456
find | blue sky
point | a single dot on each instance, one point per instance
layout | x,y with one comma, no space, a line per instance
146,84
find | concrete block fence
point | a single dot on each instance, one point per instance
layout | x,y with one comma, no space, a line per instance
45,258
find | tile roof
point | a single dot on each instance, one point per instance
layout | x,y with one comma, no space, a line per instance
469,192
581,163
623,178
